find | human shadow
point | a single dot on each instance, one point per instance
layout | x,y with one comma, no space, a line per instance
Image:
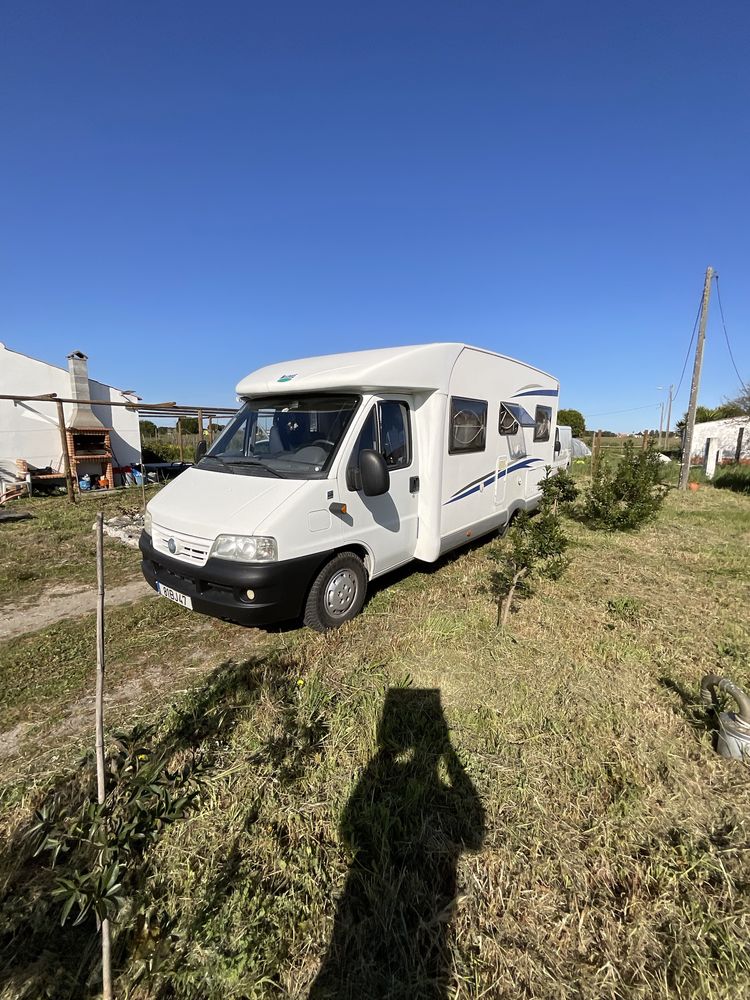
411,815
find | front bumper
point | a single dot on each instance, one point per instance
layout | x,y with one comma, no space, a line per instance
220,587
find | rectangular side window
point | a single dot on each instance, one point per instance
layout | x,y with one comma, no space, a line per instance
507,423
468,429
542,423
395,436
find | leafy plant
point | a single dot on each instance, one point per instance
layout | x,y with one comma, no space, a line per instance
532,546
624,498
97,848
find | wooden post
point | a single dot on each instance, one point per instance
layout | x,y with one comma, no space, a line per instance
200,426
687,445
65,452
645,440
595,446
101,791
738,450
179,438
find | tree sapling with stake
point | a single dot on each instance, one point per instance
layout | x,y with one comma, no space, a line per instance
532,546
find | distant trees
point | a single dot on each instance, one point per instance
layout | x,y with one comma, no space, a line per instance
148,428
573,419
731,408
742,401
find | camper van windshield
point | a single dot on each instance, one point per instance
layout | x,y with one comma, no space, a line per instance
290,437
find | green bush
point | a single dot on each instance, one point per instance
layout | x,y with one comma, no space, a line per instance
155,450
733,477
532,546
624,498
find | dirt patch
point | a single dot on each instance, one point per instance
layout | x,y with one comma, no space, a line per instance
60,602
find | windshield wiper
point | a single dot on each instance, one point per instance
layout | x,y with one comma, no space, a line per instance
252,460
218,458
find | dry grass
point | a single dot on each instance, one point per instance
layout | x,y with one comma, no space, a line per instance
578,838
56,546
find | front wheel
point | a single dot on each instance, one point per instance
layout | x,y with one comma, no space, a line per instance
337,594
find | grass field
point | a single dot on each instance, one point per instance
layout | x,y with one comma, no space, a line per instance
56,547
416,805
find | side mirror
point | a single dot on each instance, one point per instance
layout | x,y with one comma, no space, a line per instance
373,471
200,450
558,446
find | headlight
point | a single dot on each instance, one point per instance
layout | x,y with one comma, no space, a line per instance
245,548
147,523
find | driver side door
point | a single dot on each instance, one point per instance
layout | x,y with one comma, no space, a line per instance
388,524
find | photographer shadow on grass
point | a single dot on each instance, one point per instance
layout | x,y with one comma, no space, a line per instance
413,812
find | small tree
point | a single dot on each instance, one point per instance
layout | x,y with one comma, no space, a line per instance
532,546
624,498
573,419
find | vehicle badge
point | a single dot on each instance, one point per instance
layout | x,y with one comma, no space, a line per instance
287,378
172,545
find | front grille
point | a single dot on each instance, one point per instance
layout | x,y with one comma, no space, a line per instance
187,548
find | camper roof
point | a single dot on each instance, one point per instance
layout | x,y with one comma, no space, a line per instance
422,366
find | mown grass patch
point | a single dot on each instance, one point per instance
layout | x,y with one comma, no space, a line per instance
554,823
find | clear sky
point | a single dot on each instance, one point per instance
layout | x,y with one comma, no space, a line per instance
192,190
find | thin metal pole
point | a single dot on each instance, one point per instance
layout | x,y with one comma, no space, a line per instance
669,416
687,444
661,422
65,452
106,936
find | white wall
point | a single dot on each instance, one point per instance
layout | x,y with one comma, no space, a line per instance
726,432
29,430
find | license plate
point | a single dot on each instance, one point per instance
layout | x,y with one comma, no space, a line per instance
175,595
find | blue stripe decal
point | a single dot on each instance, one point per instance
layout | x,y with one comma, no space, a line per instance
537,392
470,488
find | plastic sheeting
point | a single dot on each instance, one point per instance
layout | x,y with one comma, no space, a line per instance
579,449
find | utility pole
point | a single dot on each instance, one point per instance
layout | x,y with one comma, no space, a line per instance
669,416
687,443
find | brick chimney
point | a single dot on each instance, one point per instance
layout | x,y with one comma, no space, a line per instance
82,417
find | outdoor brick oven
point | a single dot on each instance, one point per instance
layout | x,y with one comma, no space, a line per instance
89,440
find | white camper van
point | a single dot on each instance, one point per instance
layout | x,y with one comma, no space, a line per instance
563,446
338,469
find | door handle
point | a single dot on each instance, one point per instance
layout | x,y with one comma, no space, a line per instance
414,484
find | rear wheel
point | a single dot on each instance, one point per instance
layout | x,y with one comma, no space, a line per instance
337,594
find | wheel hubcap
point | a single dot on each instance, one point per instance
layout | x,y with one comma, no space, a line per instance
341,593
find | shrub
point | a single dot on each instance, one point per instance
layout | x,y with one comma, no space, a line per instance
625,498
733,477
155,450
559,491
532,546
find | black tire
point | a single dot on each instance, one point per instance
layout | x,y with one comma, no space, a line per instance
337,594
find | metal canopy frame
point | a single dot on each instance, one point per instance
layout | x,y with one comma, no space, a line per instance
170,409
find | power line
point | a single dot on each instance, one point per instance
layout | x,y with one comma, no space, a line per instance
690,346
726,337
632,409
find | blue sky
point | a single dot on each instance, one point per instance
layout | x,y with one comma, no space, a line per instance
190,191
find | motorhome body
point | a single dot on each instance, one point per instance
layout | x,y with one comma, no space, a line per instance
563,446
340,468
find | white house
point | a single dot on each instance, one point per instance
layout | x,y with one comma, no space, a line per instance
29,430
725,434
